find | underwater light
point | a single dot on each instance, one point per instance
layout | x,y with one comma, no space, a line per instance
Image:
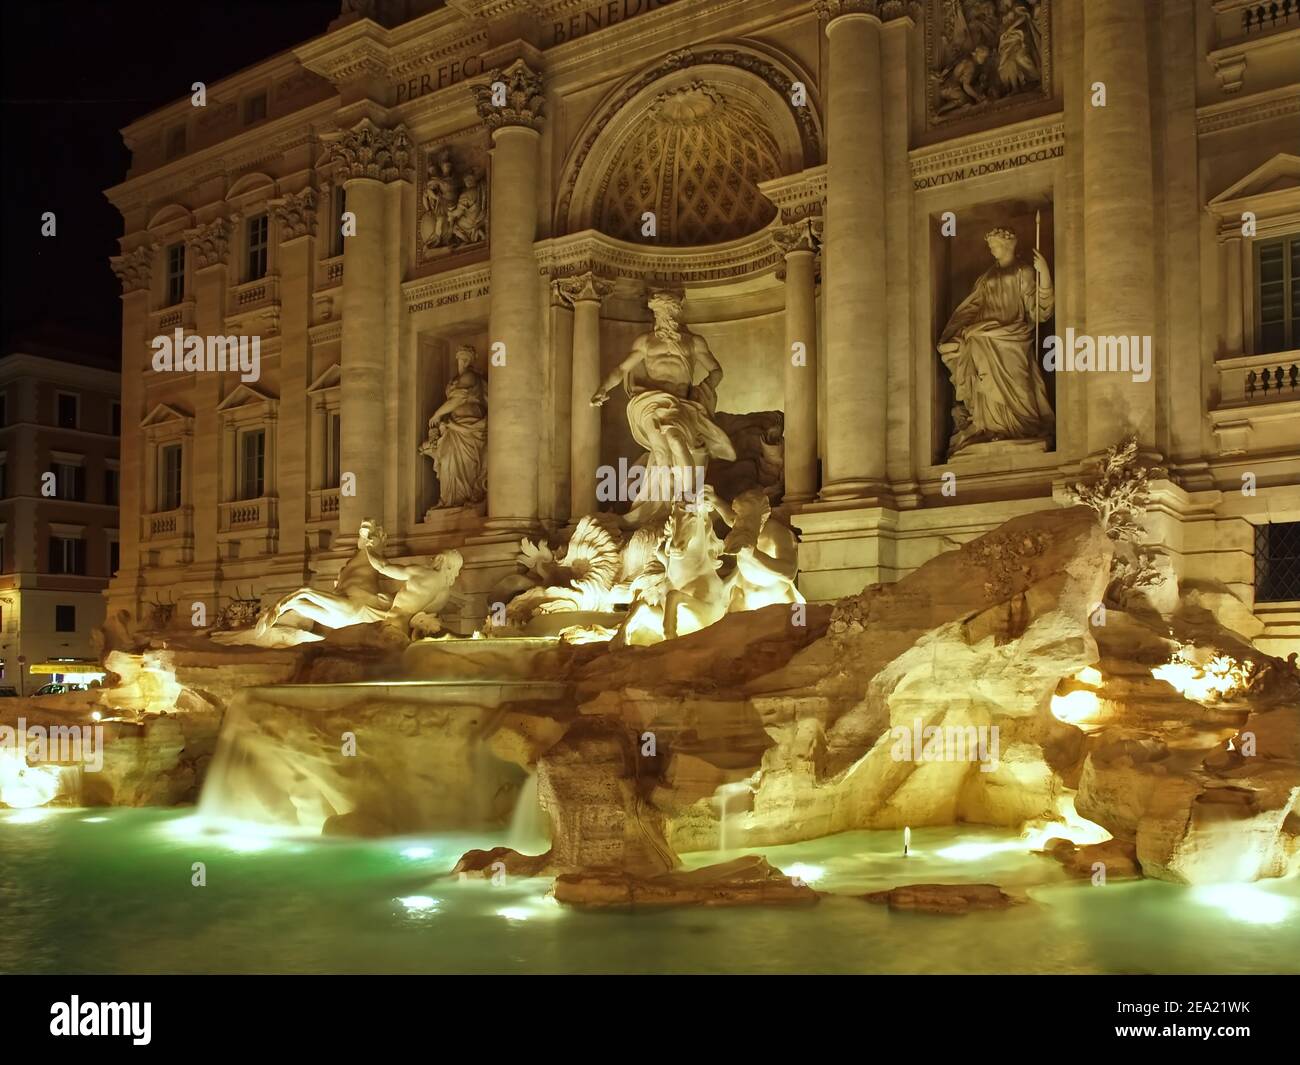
94,820
973,852
1245,902
28,816
809,874
419,903
514,913
417,852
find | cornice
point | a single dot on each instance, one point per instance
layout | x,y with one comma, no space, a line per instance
989,151
1247,110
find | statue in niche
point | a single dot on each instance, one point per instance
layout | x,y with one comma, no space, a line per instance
357,598
988,348
457,440
987,50
455,206
672,378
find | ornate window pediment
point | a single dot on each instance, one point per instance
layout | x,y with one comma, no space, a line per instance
247,402
162,414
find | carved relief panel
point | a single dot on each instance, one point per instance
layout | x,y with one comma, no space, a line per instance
452,206
985,55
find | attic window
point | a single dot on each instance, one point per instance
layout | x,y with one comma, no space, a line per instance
255,108
175,142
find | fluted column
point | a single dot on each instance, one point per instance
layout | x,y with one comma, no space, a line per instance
134,270
854,254
367,158
1118,235
799,242
511,104
585,293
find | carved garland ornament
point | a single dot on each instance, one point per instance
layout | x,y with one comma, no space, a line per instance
367,151
134,269
881,9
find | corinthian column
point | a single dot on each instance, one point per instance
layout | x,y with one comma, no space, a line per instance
585,294
1118,233
854,254
799,242
366,158
511,104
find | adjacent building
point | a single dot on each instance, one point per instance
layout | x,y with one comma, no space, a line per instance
823,181
60,420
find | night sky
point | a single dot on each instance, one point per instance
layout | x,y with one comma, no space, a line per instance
75,73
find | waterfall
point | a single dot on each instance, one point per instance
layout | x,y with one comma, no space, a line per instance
529,826
724,797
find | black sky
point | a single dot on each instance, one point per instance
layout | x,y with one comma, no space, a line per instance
75,73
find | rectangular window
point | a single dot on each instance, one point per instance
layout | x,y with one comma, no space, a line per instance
1277,562
67,411
112,487
117,419
4,409
114,557
175,274
65,618
333,451
1277,294
4,480
252,463
175,147
340,207
69,481
255,108
169,477
258,230
67,555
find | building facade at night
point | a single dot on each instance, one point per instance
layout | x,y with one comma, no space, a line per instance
59,488
844,192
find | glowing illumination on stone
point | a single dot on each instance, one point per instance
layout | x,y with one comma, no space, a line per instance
1246,903
809,874
24,786
1072,826
1220,677
1080,707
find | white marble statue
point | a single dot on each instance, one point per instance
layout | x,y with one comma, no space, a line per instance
457,441
988,347
357,598
671,378
766,552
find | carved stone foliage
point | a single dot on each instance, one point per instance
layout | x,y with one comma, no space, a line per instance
209,244
134,269
452,213
512,97
296,215
882,9
586,286
367,151
694,161
805,235
983,55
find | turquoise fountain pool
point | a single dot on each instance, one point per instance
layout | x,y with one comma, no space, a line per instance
109,891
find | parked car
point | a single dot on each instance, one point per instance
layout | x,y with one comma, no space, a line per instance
8,693
59,689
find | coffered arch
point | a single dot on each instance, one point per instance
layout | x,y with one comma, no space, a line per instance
690,140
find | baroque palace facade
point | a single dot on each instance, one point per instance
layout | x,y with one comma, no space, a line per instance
872,211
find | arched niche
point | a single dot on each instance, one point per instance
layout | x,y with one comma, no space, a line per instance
690,139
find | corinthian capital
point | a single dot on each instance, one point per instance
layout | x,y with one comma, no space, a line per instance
805,235
828,10
210,244
368,151
581,287
134,269
296,215
512,97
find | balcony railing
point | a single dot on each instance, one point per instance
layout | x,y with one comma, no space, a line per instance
166,525
1273,381
251,295
324,505
1265,18
247,514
